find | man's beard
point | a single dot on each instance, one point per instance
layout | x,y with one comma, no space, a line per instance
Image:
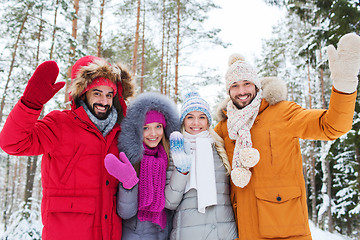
243,105
100,115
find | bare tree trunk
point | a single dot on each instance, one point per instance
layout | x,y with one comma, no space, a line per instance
101,26
312,161
29,184
143,54
32,161
54,30
313,184
325,164
39,37
168,73
167,80
177,53
309,86
162,49
85,38
6,191
13,188
72,51
329,192
136,43
2,104
357,159
306,167
326,188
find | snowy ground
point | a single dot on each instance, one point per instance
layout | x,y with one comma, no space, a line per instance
318,234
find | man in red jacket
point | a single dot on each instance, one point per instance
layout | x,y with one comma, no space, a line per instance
78,193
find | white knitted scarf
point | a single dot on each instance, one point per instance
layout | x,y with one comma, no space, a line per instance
239,124
202,170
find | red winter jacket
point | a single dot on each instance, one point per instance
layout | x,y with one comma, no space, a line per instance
78,193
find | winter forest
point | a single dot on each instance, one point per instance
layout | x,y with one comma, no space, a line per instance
156,40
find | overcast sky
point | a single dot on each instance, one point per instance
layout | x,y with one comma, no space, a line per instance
244,24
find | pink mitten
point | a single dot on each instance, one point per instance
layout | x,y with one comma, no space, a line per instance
121,169
41,86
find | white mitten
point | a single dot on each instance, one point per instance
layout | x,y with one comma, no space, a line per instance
182,161
344,63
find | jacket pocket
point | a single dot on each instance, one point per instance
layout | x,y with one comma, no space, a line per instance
280,212
71,218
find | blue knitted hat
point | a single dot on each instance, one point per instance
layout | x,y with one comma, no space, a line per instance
193,102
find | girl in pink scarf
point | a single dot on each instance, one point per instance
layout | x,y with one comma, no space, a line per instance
142,167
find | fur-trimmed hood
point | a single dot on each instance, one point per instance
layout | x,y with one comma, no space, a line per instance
88,68
131,136
274,90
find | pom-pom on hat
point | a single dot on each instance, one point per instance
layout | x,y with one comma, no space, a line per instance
155,116
240,70
193,102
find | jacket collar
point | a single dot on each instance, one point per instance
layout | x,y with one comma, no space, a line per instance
82,115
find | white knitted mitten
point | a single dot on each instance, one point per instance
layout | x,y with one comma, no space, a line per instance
181,160
344,63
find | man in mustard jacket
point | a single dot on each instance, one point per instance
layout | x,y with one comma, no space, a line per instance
261,132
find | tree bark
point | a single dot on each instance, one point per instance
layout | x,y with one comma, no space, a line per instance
177,53
29,184
101,26
327,180
54,30
313,184
143,54
72,52
85,38
2,104
162,49
312,160
168,59
136,43
6,200
32,161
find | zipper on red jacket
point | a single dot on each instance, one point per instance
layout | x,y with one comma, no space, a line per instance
90,126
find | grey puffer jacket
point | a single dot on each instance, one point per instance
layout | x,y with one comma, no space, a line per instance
131,143
216,223
132,227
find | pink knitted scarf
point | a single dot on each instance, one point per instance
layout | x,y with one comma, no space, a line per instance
152,181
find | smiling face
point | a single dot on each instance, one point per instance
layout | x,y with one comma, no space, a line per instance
99,100
242,93
195,122
152,134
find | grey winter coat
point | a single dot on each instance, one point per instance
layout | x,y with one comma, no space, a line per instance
131,143
133,228
216,223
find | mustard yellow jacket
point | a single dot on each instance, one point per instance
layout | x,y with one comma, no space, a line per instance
273,205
